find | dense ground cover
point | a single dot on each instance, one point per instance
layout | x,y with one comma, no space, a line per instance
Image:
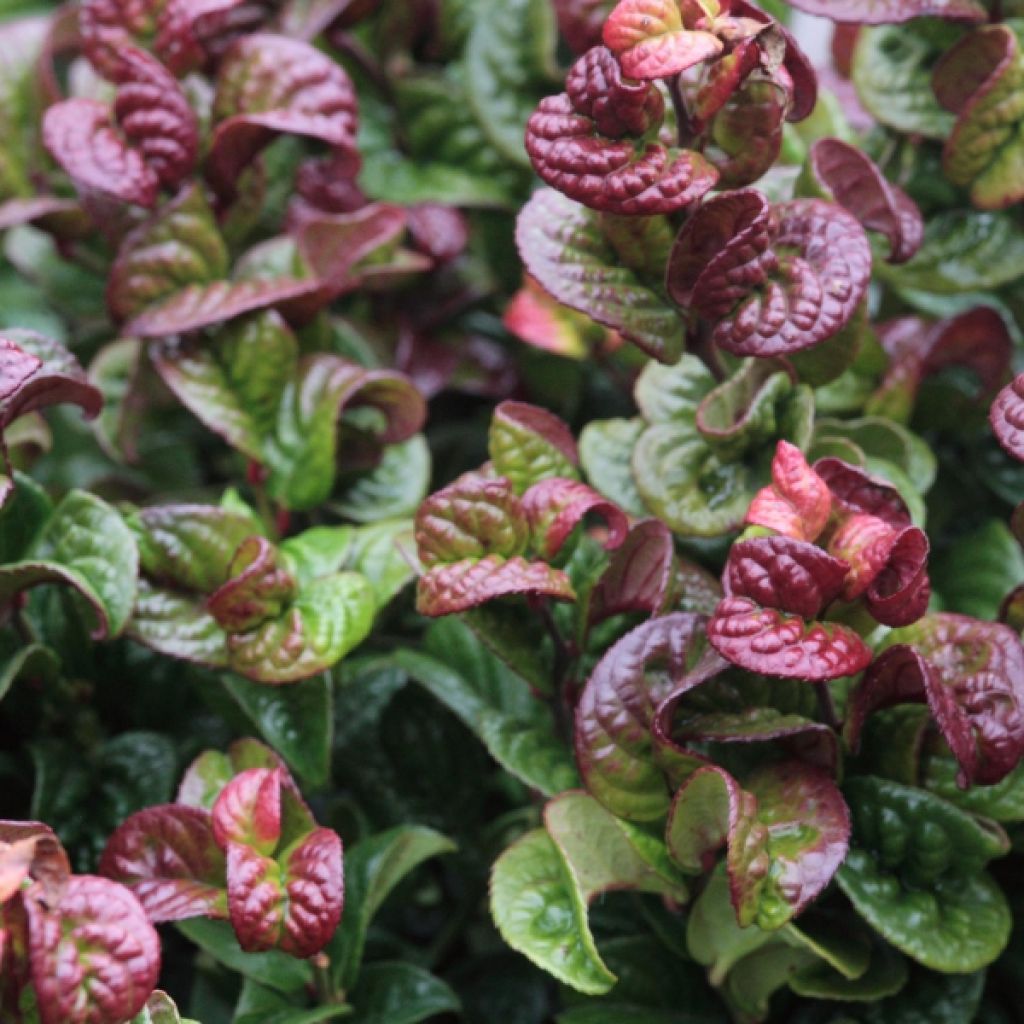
511,512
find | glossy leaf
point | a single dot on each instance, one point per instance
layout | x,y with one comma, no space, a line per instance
540,911
640,574
917,878
95,957
1007,418
563,245
650,40
528,444
576,144
400,993
798,502
787,831
615,749
555,507
874,12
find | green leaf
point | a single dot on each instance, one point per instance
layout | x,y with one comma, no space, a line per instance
886,975
114,371
85,545
1003,801
21,102
32,661
508,48
607,853
963,251
915,875
400,993
276,970
606,453
892,71
753,981
295,720
540,911
393,489
509,632
373,867
996,567
22,518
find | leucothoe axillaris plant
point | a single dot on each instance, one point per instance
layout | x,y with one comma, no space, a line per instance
668,671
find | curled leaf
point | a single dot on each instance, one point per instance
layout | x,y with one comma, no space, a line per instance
651,41
856,492
798,502
579,144
1007,417
555,507
776,644
639,576
527,444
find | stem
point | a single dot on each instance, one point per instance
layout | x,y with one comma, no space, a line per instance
326,993
827,706
684,126
561,691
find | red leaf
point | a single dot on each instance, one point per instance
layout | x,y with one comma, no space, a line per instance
257,590
798,502
555,507
169,859
899,594
1007,417
268,85
581,21
639,576
30,849
971,674
440,232
82,139
865,543
878,12
857,184
459,586
779,572
522,416
576,143
650,40
854,491
765,640
95,958
248,811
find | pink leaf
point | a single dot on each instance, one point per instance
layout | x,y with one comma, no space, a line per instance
1007,417
766,640
639,576
855,491
555,507
798,502
878,12
248,811
257,590
650,40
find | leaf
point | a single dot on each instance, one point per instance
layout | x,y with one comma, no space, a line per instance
394,488
615,750
608,854
874,12
978,79
294,720
86,545
159,1009
578,144
268,84
36,372
80,136
168,858
886,975
640,574
892,71
523,741
787,831
855,492
779,572
997,566
918,878
580,21
971,674
555,507
373,867
802,267
400,993
650,40
798,502
851,179
528,444
540,911
507,51
1007,418
566,248
606,450
94,957
771,642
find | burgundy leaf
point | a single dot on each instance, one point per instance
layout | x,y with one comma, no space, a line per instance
95,958
36,372
248,811
459,586
787,831
977,339
294,906
798,502
853,181
879,12
82,139
579,142
639,576
582,21
155,116
257,590
169,859
615,748
440,232
267,85
864,542
972,675
555,507
63,218
899,594
745,136
779,572
651,41
855,491
327,185
775,280
1007,417
767,641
